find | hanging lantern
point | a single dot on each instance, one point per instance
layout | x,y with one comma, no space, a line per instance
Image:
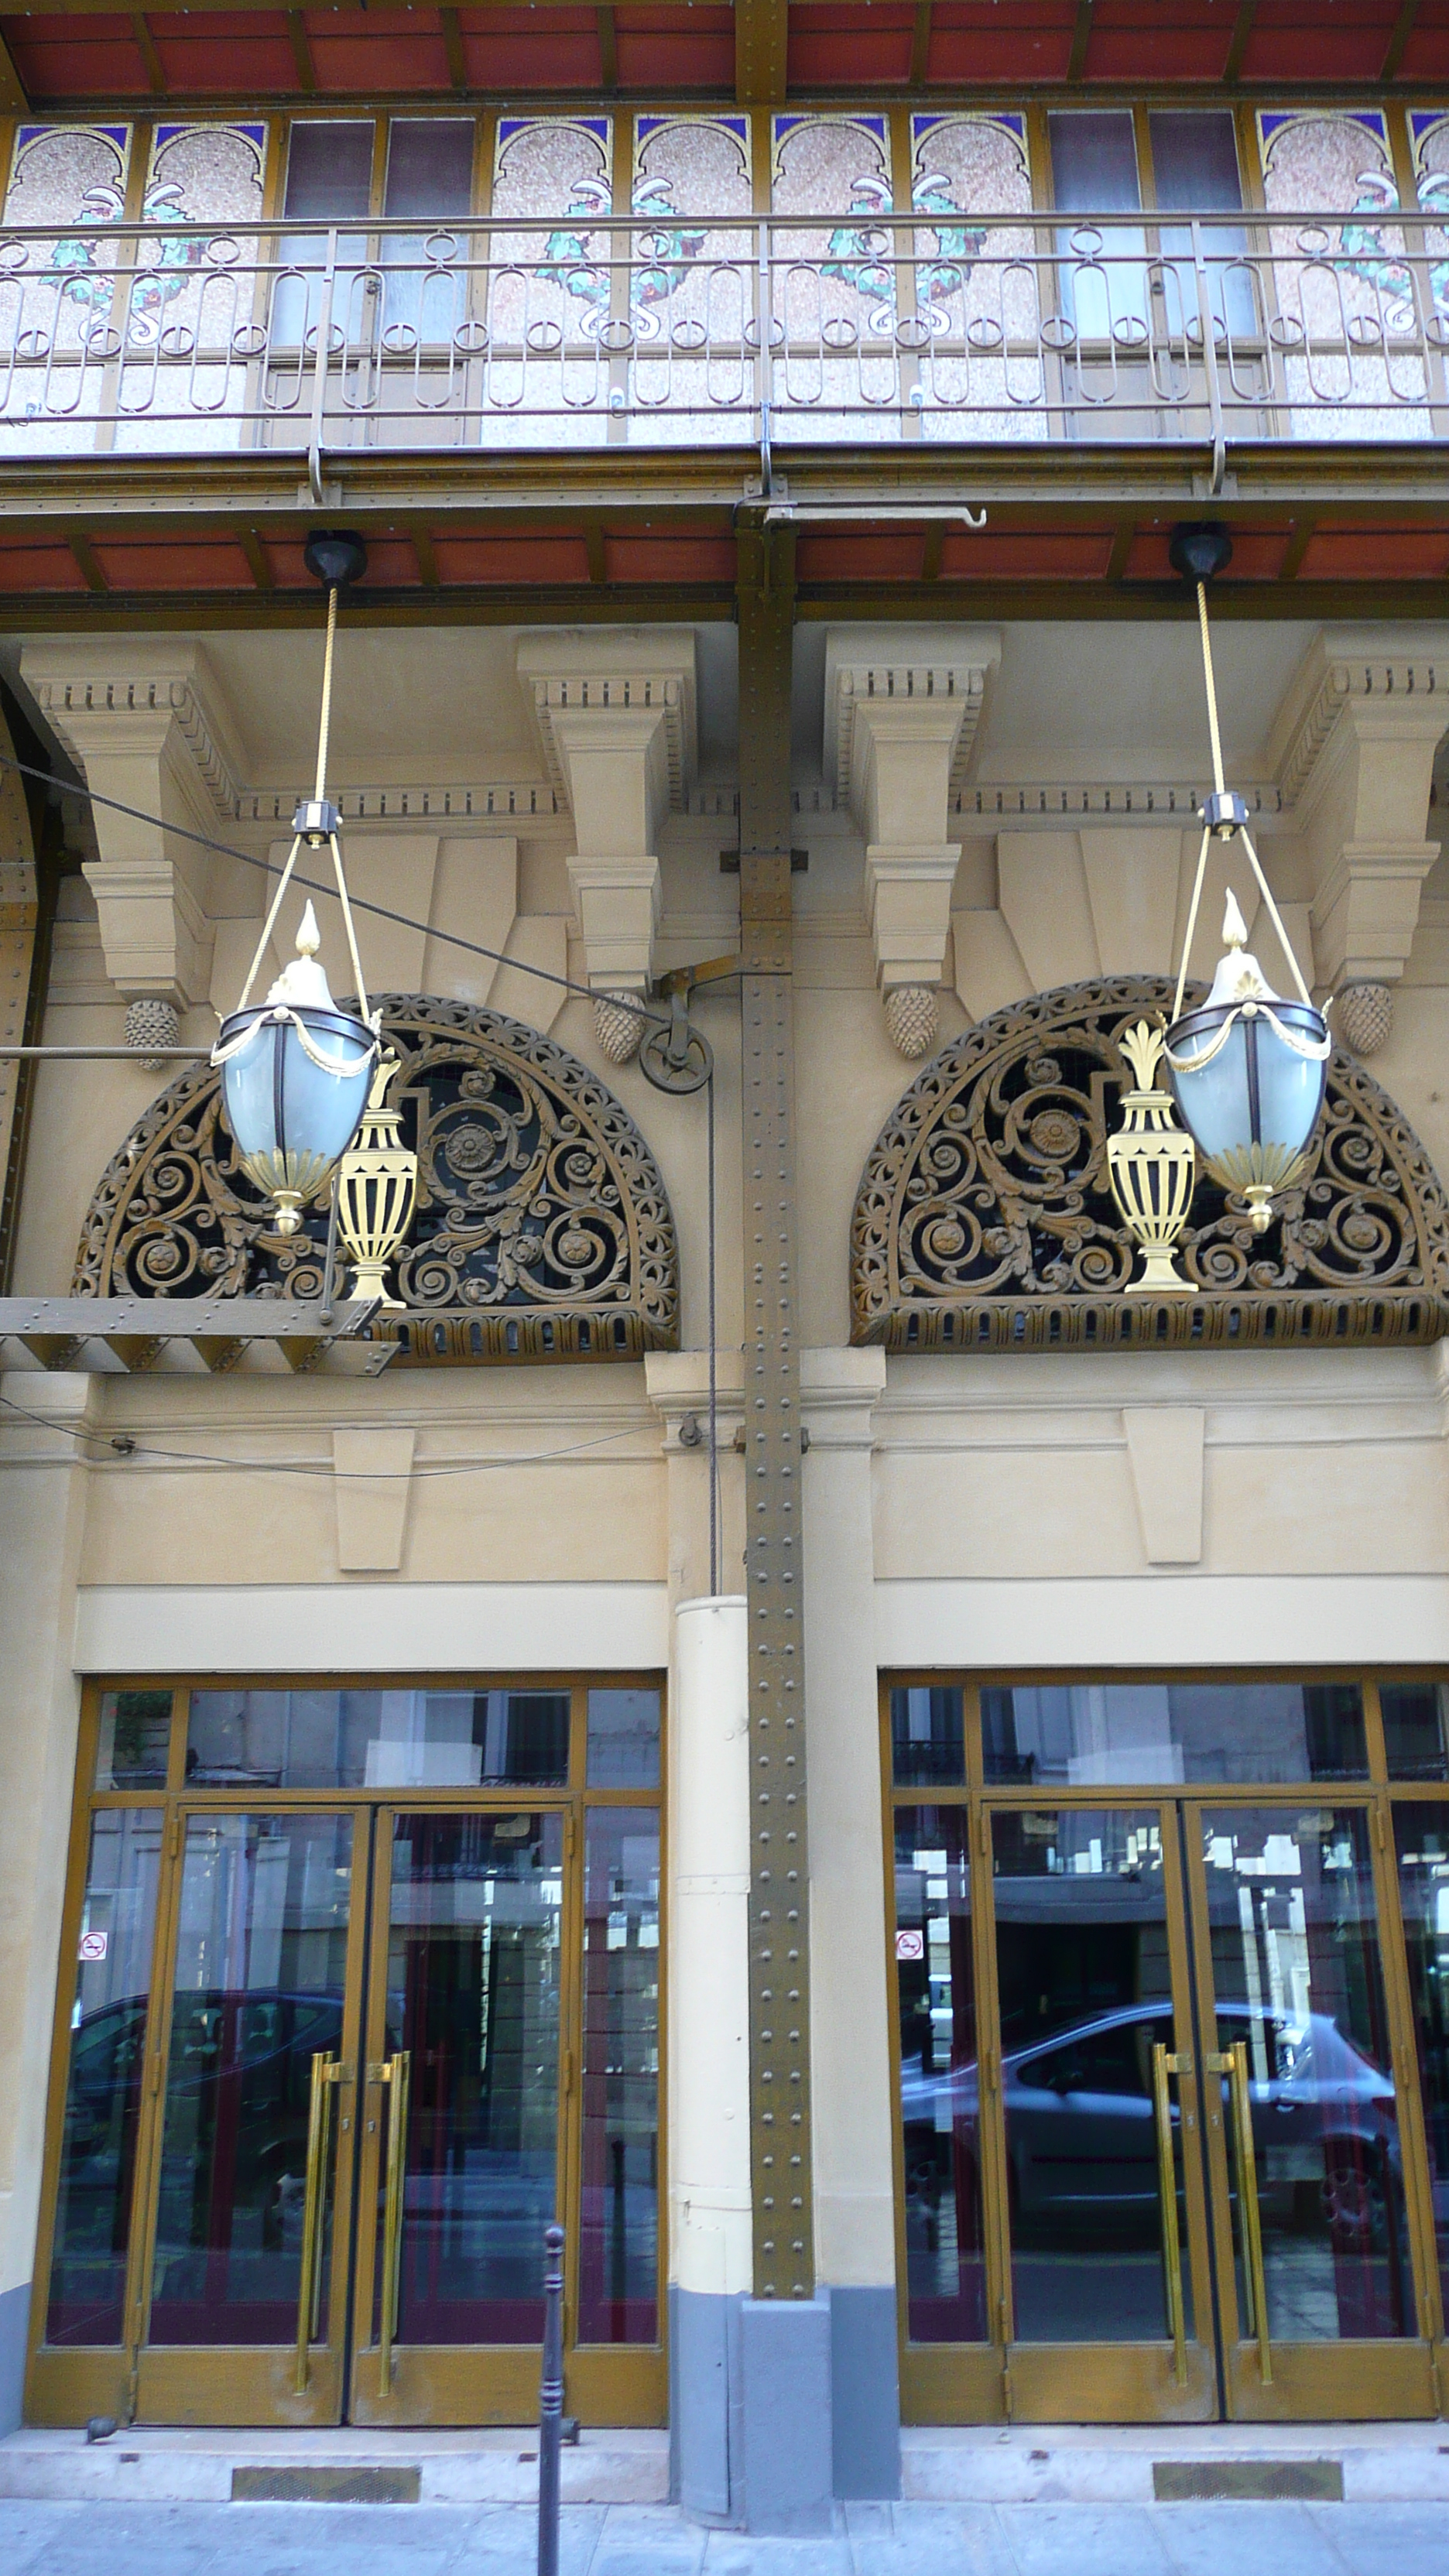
377,1189
1151,1166
295,1070
294,1078
1248,1069
1248,1072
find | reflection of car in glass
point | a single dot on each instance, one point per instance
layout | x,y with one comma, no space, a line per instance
238,2087
1081,2135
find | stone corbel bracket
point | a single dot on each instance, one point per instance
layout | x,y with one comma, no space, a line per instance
174,691
617,721
903,710
608,670
156,738
1352,749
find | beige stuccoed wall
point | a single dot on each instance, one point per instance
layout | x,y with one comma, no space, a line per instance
957,1511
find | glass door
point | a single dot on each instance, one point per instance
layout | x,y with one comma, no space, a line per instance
367,1990
245,2260
462,2143
1106,2300
1304,2086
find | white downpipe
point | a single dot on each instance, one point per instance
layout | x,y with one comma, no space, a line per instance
711,2249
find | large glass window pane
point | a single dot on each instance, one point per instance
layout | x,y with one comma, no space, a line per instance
430,175
940,2104
473,1997
1085,1997
105,2079
928,1740
1195,165
430,167
134,1743
329,170
619,2198
1094,172
1416,1730
377,1739
261,1953
623,1748
1421,1836
1195,160
1297,1978
1090,1734
329,180
1094,161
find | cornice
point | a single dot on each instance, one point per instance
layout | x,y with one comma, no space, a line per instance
172,691
1403,674
638,671
946,663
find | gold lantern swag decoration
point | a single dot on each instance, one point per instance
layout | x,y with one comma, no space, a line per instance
377,1190
1152,1166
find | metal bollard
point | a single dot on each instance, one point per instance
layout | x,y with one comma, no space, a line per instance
550,2401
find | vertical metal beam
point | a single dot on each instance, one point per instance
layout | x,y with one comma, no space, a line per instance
780,2133
761,44
26,908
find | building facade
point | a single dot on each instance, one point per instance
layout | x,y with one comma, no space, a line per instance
770,1704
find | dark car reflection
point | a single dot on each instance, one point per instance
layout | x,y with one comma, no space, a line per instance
1081,2135
239,2069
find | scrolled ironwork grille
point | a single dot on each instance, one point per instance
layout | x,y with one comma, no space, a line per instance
984,1218
542,1227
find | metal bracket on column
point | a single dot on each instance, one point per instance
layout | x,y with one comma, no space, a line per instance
780,2128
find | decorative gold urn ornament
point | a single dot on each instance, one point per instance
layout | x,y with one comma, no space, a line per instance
377,1191
1152,1164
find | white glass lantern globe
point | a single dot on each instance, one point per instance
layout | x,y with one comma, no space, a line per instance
295,1074
1248,1072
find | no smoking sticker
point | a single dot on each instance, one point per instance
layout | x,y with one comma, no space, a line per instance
93,1946
910,1945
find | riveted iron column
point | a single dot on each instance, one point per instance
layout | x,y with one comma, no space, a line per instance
780,2156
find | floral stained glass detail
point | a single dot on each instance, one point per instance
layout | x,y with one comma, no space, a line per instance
56,293
836,260
976,285
1346,313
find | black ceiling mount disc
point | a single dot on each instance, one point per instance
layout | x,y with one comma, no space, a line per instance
1199,548
335,557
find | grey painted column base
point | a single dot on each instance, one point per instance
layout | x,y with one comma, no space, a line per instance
778,2408
865,2394
14,2331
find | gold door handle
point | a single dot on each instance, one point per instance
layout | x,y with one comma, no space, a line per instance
1162,2067
394,2072
1233,2062
325,2073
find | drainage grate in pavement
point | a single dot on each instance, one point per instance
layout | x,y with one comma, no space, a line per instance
1252,2481
357,2485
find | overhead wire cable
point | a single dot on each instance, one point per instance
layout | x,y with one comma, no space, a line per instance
286,1466
315,885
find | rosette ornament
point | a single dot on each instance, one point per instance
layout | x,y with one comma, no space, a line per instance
1151,1165
295,1070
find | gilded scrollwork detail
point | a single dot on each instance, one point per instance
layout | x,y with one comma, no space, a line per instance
985,1218
542,1223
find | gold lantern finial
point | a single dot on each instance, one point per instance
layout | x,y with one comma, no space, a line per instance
1151,1164
377,1189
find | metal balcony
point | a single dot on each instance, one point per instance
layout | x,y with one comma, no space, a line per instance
1013,331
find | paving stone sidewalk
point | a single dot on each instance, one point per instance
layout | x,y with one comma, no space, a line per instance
103,2539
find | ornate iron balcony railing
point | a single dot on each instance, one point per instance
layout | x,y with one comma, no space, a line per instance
974,328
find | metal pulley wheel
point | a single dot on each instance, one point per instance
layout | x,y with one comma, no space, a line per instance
676,1057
